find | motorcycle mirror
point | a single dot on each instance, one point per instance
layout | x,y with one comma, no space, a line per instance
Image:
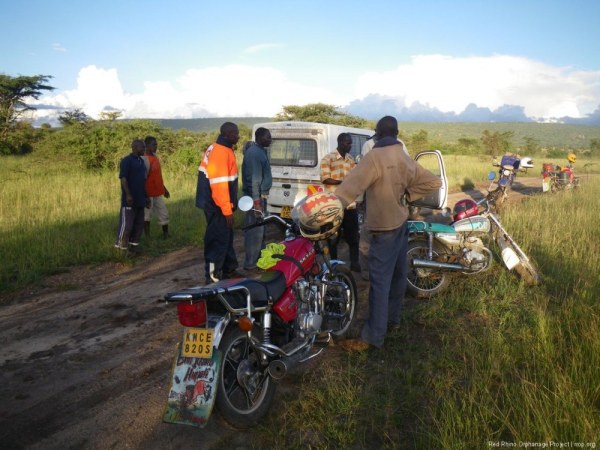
491,175
245,203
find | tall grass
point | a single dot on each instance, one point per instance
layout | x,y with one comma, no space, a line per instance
490,362
54,215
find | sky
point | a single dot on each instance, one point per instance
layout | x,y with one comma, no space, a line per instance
191,59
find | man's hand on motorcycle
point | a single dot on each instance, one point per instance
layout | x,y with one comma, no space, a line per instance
229,220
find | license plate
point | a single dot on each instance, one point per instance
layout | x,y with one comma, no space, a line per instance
197,342
286,212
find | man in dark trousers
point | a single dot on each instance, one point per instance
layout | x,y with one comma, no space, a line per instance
256,183
387,175
132,175
216,194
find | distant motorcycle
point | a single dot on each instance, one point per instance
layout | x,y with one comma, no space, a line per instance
436,251
243,335
556,178
509,168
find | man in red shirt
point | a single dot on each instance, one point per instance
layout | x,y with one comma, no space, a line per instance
155,189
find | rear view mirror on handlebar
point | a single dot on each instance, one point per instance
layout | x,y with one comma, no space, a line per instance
245,203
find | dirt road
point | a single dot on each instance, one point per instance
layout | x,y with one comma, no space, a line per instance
85,359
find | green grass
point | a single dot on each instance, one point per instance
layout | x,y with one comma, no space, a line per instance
490,361
54,215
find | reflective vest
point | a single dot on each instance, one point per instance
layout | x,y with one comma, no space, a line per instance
217,179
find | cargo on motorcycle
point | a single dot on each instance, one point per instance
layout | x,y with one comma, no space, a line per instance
556,178
509,167
242,335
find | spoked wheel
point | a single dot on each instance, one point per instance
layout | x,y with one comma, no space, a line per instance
527,272
340,300
423,282
245,390
497,196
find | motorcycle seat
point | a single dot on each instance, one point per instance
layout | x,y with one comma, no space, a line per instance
269,286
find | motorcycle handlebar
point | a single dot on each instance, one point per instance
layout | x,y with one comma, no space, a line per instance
262,221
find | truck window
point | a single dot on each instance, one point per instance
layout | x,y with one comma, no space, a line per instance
358,141
293,152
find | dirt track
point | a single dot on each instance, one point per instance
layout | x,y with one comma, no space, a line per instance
86,358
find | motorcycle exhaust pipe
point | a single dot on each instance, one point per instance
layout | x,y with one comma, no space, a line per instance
280,367
426,264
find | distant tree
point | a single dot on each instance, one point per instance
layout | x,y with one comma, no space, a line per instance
14,92
594,145
532,145
73,116
497,143
469,145
419,141
320,113
110,116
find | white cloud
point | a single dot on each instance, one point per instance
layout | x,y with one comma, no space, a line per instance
260,48
235,90
57,47
443,82
450,84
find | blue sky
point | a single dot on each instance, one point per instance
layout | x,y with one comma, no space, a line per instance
249,58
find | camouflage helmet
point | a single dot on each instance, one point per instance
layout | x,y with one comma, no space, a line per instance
319,215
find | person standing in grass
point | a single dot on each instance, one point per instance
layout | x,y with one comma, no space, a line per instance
156,189
256,183
216,194
132,175
388,176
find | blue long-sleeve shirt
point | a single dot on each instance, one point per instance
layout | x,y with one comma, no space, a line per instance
256,172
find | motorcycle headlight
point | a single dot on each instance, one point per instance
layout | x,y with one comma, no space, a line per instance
506,172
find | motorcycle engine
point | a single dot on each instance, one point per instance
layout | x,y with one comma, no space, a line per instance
474,254
308,320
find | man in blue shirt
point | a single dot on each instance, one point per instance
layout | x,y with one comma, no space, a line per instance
256,183
132,174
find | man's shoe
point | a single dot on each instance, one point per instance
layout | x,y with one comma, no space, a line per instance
355,345
393,326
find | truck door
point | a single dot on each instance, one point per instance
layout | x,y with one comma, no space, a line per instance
433,161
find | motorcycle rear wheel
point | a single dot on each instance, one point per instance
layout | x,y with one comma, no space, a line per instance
246,390
340,310
425,283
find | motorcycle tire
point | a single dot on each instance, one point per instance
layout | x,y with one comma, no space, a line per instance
425,283
527,272
497,197
339,310
245,389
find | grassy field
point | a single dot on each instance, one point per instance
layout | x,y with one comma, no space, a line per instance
491,361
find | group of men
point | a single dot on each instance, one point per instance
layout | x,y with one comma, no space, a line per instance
386,176
142,192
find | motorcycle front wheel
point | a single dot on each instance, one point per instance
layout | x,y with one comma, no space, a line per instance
246,390
423,282
527,272
340,300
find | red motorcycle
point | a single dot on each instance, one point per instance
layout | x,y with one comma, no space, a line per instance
242,335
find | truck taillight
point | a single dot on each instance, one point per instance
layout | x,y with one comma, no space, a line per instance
192,314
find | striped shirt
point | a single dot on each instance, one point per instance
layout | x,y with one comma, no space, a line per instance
335,167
